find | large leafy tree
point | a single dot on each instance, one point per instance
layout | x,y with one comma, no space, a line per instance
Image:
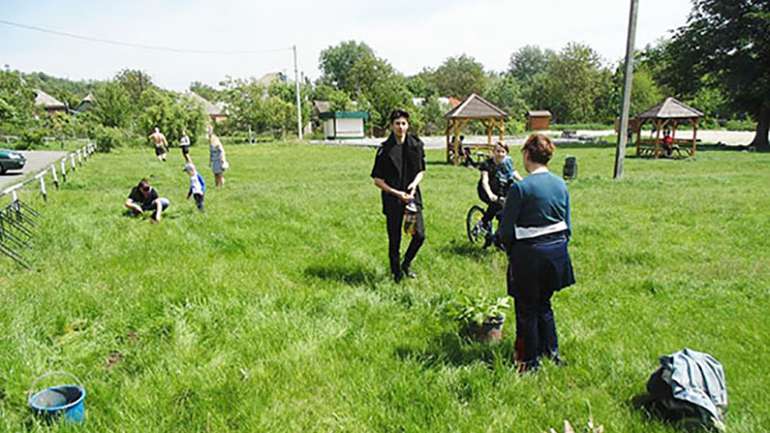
529,61
728,41
135,82
113,106
460,76
16,100
574,84
337,62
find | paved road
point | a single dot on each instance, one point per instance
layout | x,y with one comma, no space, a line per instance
730,138
36,161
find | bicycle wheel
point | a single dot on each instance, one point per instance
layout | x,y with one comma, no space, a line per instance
473,228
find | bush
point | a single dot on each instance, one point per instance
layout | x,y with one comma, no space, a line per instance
108,138
741,125
31,138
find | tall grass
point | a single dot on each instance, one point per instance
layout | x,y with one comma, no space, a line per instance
273,311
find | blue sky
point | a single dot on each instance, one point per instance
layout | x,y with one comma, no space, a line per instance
409,34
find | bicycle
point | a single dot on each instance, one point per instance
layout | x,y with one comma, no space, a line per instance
478,231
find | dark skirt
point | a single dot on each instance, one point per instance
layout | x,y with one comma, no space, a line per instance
539,267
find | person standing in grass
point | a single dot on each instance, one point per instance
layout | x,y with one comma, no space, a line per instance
143,198
197,185
535,229
217,158
161,145
184,144
399,167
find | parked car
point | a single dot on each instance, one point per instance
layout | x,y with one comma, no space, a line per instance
11,160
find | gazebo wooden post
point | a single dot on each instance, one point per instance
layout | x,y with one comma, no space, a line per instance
459,125
658,127
639,137
694,135
449,127
502,129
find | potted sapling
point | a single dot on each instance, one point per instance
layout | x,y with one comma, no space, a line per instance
482,318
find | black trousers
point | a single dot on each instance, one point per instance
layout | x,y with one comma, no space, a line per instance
493,208
535,272
395,220
535,330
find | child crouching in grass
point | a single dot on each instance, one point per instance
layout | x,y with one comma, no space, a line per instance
197,186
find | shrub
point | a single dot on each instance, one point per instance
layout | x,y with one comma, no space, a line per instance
108,138
741,125
31,138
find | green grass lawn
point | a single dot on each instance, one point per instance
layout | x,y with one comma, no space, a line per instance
273,311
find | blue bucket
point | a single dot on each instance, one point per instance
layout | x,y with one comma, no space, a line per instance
67,401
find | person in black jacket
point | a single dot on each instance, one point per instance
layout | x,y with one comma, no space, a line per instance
398,169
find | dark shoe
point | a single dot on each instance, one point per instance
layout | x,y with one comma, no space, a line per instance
407,272
557,360
398,277
525,368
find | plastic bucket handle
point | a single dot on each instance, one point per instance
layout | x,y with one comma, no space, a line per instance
33,387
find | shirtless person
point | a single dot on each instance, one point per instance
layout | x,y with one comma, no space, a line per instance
161,145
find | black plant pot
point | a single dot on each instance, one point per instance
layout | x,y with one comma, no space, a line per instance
491,331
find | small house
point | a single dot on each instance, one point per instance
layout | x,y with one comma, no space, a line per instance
344,124
216,112
538,120
49,103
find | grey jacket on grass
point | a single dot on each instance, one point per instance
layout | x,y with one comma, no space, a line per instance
696,378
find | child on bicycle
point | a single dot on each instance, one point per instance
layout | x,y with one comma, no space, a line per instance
497,175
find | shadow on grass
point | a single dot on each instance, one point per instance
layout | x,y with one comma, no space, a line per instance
451,349
352,275
466,249
652,410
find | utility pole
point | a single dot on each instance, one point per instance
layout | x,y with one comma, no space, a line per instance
628,77
299,100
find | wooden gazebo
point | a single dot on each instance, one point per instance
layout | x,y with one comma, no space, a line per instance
668,114
474,107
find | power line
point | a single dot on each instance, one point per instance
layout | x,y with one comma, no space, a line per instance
139,46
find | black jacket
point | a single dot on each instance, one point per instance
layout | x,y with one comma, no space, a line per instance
388,165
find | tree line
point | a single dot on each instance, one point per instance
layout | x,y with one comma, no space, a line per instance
719,63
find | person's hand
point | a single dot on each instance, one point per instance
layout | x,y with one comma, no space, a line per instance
494,198
404,197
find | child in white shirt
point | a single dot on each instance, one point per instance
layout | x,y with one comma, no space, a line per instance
197,186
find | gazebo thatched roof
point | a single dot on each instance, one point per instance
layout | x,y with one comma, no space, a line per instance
671,108
476,107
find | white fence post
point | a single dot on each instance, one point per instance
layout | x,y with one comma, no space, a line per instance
72,160
63,169
53,175
42,187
